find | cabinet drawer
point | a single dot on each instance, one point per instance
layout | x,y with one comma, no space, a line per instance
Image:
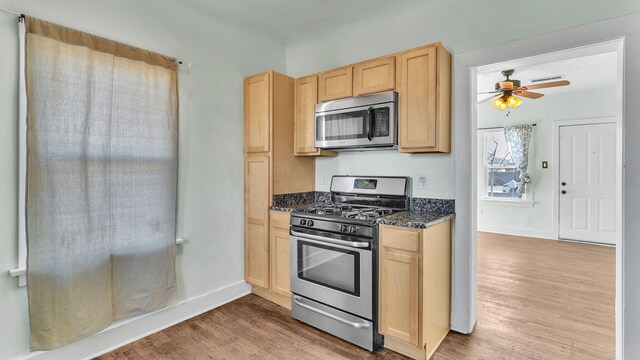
394,237
280,220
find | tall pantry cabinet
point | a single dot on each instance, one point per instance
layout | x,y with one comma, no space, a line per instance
270,168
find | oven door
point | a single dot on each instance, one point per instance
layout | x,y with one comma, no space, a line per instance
366,126
336,275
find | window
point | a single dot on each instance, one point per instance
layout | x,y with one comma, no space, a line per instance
101,135
500,176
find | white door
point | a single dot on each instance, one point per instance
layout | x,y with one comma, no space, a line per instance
588,183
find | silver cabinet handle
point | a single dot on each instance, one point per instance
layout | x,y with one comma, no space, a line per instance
356,325
357,244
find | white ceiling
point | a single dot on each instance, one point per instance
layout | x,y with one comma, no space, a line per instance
285,19
584,72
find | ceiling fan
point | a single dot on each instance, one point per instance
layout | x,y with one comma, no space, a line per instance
506,91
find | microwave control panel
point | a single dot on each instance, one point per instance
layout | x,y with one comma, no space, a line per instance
382,122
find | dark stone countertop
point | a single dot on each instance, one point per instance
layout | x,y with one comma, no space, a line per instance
294,206
415,219
425,212
299,201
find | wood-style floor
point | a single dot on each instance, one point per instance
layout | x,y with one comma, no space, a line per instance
537,299
540,299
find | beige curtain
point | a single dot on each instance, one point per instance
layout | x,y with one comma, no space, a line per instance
102,151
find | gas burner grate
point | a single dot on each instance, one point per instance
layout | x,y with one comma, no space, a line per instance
351,212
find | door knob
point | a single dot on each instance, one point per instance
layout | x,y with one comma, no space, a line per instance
564,183
563,192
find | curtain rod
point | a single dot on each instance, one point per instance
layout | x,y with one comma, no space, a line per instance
12,12
499,127
21,17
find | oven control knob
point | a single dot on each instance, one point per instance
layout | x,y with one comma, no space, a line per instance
309,222
353,229
303,222
343,228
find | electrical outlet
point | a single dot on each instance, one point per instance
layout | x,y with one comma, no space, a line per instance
423,182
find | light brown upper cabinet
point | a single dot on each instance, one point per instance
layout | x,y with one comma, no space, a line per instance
257,111
305,120
336,84
425,100
374,76
422,78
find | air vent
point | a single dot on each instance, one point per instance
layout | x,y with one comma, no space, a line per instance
548,78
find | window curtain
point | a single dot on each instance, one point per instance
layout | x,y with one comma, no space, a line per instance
518,138
102,152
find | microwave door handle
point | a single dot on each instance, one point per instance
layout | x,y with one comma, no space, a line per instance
371,122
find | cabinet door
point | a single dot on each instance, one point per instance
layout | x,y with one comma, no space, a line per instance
279,248
399,296
437,284
336,84
257,113
418,101
374,76
256,225
306,99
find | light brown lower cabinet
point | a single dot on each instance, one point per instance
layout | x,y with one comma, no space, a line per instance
415,288
257,194
279,253
278,289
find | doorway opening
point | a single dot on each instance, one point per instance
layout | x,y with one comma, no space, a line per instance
549,197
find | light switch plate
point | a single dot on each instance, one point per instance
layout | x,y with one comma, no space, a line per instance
545,164
423,182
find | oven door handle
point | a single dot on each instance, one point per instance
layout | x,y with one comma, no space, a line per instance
356,244
356,325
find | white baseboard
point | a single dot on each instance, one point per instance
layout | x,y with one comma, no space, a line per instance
462,329
518,232
115,337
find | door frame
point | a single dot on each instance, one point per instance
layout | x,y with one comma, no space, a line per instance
614,32
555,171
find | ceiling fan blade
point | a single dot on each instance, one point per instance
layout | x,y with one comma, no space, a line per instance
490,92
546,85
490,98
528,94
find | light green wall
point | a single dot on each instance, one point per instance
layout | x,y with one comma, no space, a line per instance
461,25
591,103
210,209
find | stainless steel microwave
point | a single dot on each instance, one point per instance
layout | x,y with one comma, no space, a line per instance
358,123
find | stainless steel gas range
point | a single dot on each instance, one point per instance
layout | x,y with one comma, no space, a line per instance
334,257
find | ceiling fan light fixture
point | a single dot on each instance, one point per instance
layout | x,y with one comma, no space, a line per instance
513,102
505,89
500,103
